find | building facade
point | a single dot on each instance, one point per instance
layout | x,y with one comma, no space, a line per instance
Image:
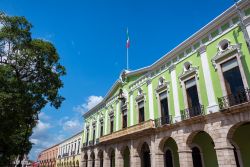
47,158
69,151
189,108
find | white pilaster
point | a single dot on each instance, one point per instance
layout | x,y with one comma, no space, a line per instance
175,94
212,105
131,107
117,116
106,122
150,100
97,126
246,21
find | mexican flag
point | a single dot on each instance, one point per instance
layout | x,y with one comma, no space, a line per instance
128,41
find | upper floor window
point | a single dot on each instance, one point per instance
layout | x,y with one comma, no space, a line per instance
232,76
228,62
124,113
87,137
193,102
78,150
163,99
141,111
101,129
111,124
93,134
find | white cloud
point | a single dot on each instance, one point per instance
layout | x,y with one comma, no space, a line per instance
41,127
91,102
43,116
72,125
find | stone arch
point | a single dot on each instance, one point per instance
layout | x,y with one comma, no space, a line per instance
169,148
111,155
238,136
125,152
77,163
100,157
140,144
92,157
85,160
145,153
202,146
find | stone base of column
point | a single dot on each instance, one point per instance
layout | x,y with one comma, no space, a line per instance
135,161
159,159
225,156
106,162
185,158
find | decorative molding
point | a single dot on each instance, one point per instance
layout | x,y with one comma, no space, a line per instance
202,49
187,73
148,82
162,87
140,97
222,54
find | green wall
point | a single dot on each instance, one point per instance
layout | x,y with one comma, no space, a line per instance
205,142
241,138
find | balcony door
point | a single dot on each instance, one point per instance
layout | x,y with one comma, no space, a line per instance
192,97
232,77
164,107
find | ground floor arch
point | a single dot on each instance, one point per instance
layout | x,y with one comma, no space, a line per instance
145,155
100,156
203,152
240,140
112,157
170,151
92,156
126,157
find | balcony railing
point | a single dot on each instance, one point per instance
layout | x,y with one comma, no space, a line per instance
129,131
163,121
192,112
65,155
242,96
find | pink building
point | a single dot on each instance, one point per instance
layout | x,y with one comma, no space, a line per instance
47,158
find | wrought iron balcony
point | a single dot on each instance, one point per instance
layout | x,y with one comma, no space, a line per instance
163,121
192,112
228,101
128,132
65,155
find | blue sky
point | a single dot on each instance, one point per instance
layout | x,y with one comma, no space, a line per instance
90,36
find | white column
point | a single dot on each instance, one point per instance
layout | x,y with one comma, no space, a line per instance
97,127
246,21
131,107
106,122
150,100
175,93
117,116
212,105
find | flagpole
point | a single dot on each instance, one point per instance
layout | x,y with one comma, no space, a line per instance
127,59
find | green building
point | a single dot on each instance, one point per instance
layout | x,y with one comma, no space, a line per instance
189,108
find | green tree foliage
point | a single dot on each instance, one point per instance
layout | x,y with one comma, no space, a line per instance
30,75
